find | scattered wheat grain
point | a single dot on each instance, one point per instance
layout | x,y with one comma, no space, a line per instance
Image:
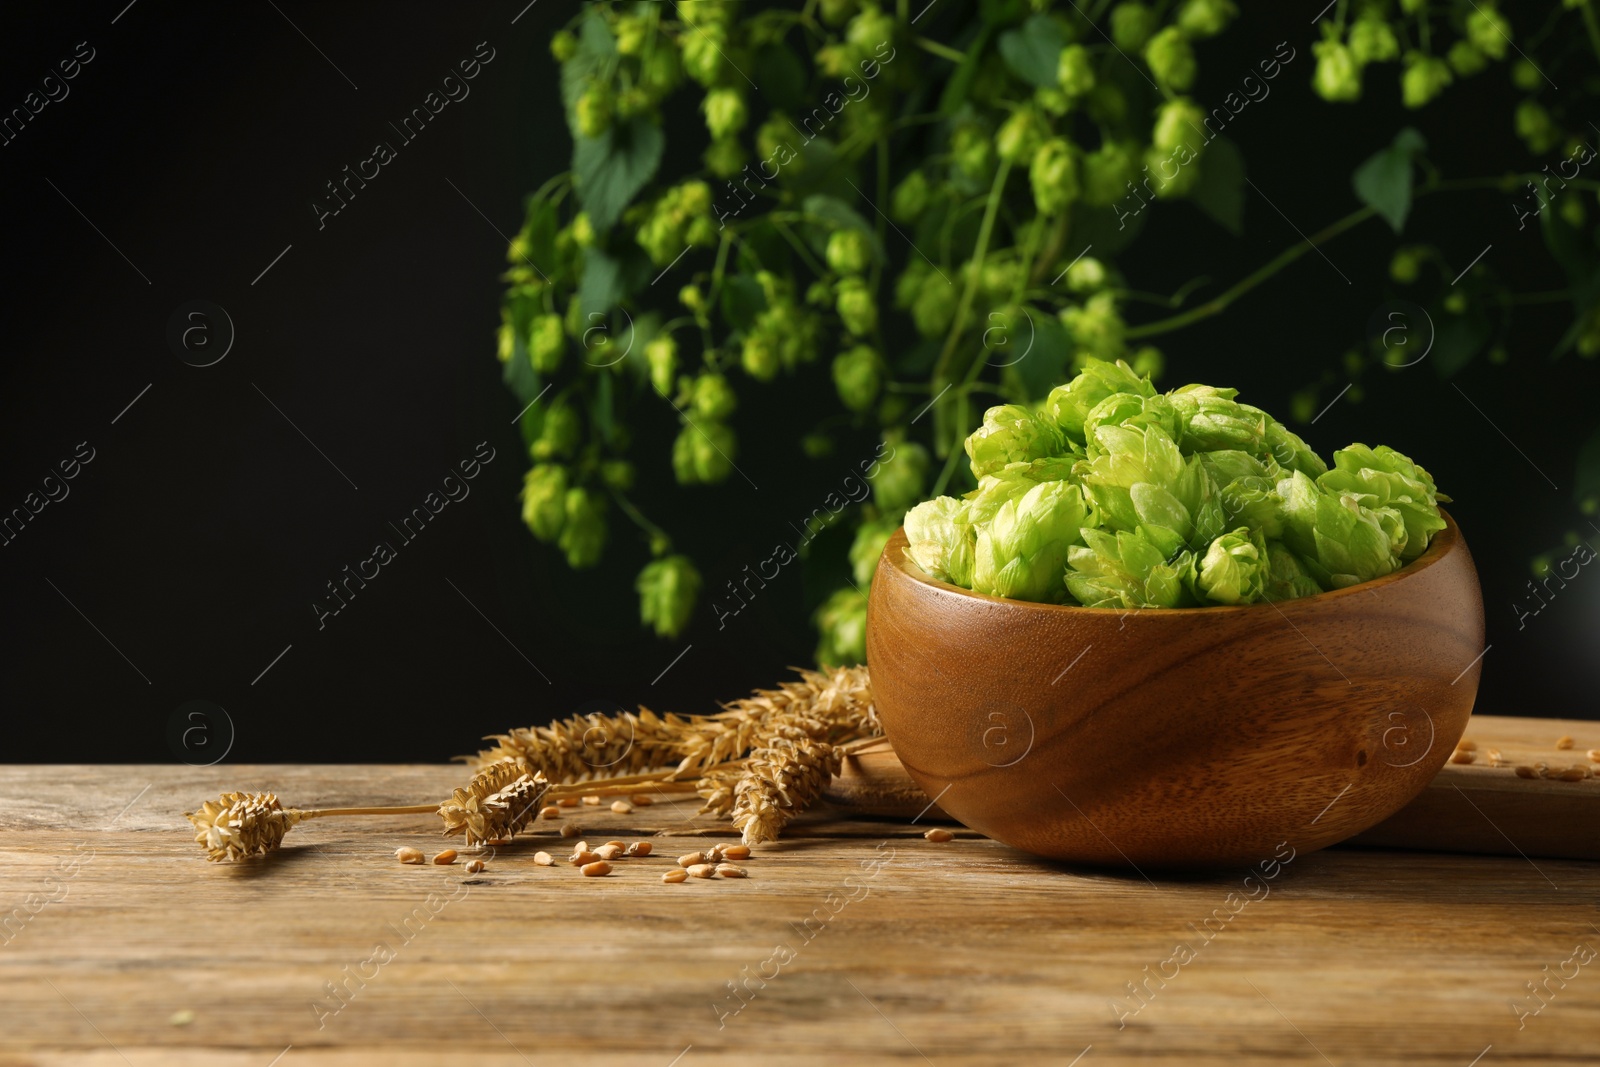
445,858
1564,741
677,874
937,834
408,855
597,869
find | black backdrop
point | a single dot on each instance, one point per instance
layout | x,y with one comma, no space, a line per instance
182,564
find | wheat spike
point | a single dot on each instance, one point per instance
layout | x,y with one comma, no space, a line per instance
499,802
241,824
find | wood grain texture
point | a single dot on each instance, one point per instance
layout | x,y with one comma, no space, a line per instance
1477,808
968,952
1176,737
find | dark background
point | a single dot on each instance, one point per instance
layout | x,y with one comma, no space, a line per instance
198,536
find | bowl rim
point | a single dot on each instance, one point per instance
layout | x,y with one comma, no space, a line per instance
1446,540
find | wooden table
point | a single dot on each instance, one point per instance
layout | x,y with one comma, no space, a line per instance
852,942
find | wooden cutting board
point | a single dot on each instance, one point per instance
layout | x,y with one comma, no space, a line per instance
1472,807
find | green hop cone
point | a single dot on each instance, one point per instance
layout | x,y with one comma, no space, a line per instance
724,158
1406,266
544,500
910,198
563,46
703,452
1338,75
849,251
1171,59
1011,482
842,627
758,355
1107,171
972,151
1489,31
1053,176
1086,275
1287,577
857,375
593,111
1132,25
660,70
667,591
547,343
868,547
1148,362
1384,478
1213,420
1133,411
1069,405
1205,18
837,12
583,535
1075,70
583,234
1424,78
1019,135
1096,327
1234,569
617,474
661,354
713,397
559,433
630,31
898,480
857,308
1125,570
1536,128
1465,59
703,56
1290,452
1022,552
941,540
1372,41
1179,122
1012,434
1340,542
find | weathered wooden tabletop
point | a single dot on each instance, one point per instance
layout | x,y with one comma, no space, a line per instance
853,941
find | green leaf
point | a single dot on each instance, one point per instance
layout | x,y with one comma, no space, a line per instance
1002,12
608,171
1033,51
1457,339
1383,182
596,49
742,300
1220,190
1102,228
601,287
783,77
960,83
542,225
1044,364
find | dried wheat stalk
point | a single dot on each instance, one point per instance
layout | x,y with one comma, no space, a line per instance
761,760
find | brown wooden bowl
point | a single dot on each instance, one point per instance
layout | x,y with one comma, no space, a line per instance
1177,737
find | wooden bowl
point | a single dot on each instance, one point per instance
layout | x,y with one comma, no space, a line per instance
1177,737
